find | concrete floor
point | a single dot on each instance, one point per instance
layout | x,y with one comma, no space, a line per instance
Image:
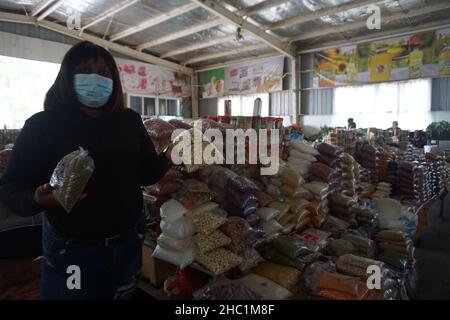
433,256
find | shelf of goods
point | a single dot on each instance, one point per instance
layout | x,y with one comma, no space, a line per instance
306,232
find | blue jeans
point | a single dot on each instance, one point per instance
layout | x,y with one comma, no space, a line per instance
106,273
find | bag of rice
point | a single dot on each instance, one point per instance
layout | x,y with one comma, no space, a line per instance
214,240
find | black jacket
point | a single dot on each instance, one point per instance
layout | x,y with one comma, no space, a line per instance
125,159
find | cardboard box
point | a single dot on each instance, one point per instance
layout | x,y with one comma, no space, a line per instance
153,269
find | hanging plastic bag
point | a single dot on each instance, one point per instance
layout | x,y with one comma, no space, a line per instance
70,177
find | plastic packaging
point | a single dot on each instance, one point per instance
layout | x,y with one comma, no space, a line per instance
176,244
273,190
342,287
283,208
267,214
272,227
251,258
264,199
286,219
208,222
297,205
321,171
285,276
353,265
180,228
225,290
329,149
291,178
339,247
302,156
240,233
172,210
179,258
243,184
315,239
178,124
191,200
268,289
291,192
71,176
253,220
159,129
205,207
290,246
318,188
219,261
214,240
304,147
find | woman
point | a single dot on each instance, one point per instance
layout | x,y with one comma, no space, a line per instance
99,242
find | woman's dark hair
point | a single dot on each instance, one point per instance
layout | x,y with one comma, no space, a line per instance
62,95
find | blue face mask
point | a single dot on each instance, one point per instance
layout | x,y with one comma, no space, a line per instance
92,89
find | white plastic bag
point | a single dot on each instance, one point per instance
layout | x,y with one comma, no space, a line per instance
171,243
267,214
172,210
179,258
206,207
304,156
272,227
180,228
304,147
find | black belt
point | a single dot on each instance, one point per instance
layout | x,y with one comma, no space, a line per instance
105,242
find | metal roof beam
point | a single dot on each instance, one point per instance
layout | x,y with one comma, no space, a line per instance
233,62
252,10
17,18
305,17
154,21
198,46
183,33
40,6
214,7
108,13
224,53
361,24
49,11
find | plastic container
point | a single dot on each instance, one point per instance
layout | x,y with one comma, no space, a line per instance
257,108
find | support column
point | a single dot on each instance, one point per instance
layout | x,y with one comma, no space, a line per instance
295,87
194,84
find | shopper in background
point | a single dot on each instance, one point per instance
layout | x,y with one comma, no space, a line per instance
395,129
351,124
103,234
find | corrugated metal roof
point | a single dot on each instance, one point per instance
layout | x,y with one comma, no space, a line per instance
268,13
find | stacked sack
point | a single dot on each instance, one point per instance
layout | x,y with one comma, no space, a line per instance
367,218
238,196
176,243
318,208
383,161
351,242
160,132
439,168
168,184
350,175
301,156
384,190
412,184
395,243
391,178
369,160
406,151
341,207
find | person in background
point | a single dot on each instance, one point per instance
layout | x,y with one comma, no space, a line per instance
395,129
101,238
351,124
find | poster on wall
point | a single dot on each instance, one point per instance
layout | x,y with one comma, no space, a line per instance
146,79
261,76
421,55
213,83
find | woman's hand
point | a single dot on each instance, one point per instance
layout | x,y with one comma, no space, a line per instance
44,196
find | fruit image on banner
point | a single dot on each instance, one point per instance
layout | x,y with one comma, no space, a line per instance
213,83
421,55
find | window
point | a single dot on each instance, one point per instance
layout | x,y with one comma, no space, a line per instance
154,106
379,105
243,105
24,84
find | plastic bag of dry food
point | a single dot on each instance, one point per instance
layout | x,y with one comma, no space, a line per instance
297,205
341,199
353,265
225,290
240,233
172,175
304,147
180,124
290,246
285,276
315,239
264,199
71,176
267,214
291,192
180,228
195,186
351,287
273,190
214,240
321,171
159,129
253,220
317,188
243,184
286,219
291,178
329,149
332,162
160,144
335,226
163,188
251,258
207,222
282,207
268,289
272,227
205,207
219,261
191,200
339,247
220,177
178,258
177,244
